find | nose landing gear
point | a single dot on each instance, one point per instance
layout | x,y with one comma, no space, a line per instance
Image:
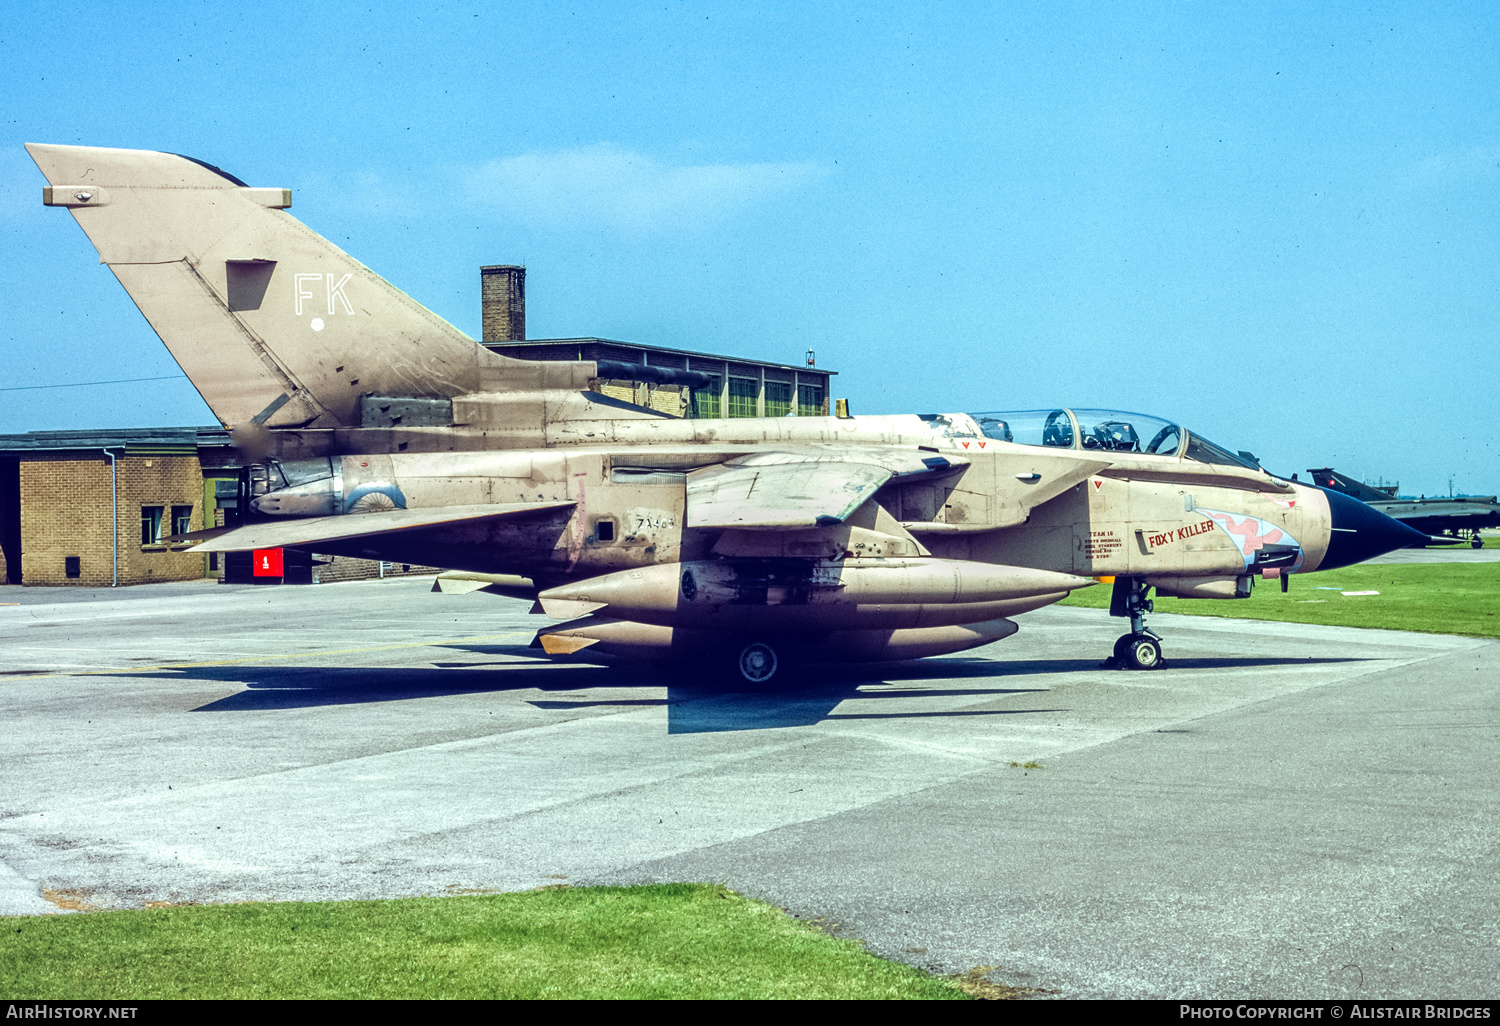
1141,648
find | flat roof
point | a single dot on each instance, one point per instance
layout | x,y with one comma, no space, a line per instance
117,438
521,344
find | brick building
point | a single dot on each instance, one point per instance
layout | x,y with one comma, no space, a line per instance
724,386
97,508
677,382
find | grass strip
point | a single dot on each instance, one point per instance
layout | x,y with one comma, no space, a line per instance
1435,598
657,941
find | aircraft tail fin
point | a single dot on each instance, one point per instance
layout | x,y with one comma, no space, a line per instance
276,326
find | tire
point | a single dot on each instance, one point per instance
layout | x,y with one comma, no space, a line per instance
1143,653
757,663
1120,644
1476,542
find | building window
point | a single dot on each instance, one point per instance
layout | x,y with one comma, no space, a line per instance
744,396
778,398
151,524
182,519
706,400
72,566
810,401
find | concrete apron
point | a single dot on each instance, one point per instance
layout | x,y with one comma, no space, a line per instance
372,739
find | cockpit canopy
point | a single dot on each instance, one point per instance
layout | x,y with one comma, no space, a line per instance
1106,431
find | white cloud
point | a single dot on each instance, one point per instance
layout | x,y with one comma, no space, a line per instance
604,186
1477,162
360,192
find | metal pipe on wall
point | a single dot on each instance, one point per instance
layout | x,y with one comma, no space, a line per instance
114,502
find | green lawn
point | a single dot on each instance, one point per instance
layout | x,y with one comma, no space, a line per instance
1437,598
670,940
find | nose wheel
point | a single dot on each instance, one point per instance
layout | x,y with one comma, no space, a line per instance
1141,648
1137,652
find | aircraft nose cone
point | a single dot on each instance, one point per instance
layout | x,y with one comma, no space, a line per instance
1361,532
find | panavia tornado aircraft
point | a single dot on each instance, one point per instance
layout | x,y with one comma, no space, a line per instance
1443,520
385,433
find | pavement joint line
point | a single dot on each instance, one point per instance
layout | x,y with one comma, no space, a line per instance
265,659
979,761
447,745
37,622
999,765
1387,663
695,767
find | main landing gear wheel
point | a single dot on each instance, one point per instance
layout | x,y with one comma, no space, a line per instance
1476,542
757,663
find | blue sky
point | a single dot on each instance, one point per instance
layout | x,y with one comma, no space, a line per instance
1277,225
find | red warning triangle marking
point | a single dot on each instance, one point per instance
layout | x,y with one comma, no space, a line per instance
981,445
966,445
1098,485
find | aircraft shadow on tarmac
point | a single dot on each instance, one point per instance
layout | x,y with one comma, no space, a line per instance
301,687
811,695
803,697
692,707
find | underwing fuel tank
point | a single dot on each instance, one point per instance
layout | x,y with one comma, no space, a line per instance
807,595
632,640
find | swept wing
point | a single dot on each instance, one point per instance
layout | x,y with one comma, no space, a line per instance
304,532
802,487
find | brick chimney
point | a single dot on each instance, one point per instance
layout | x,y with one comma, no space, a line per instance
502,303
